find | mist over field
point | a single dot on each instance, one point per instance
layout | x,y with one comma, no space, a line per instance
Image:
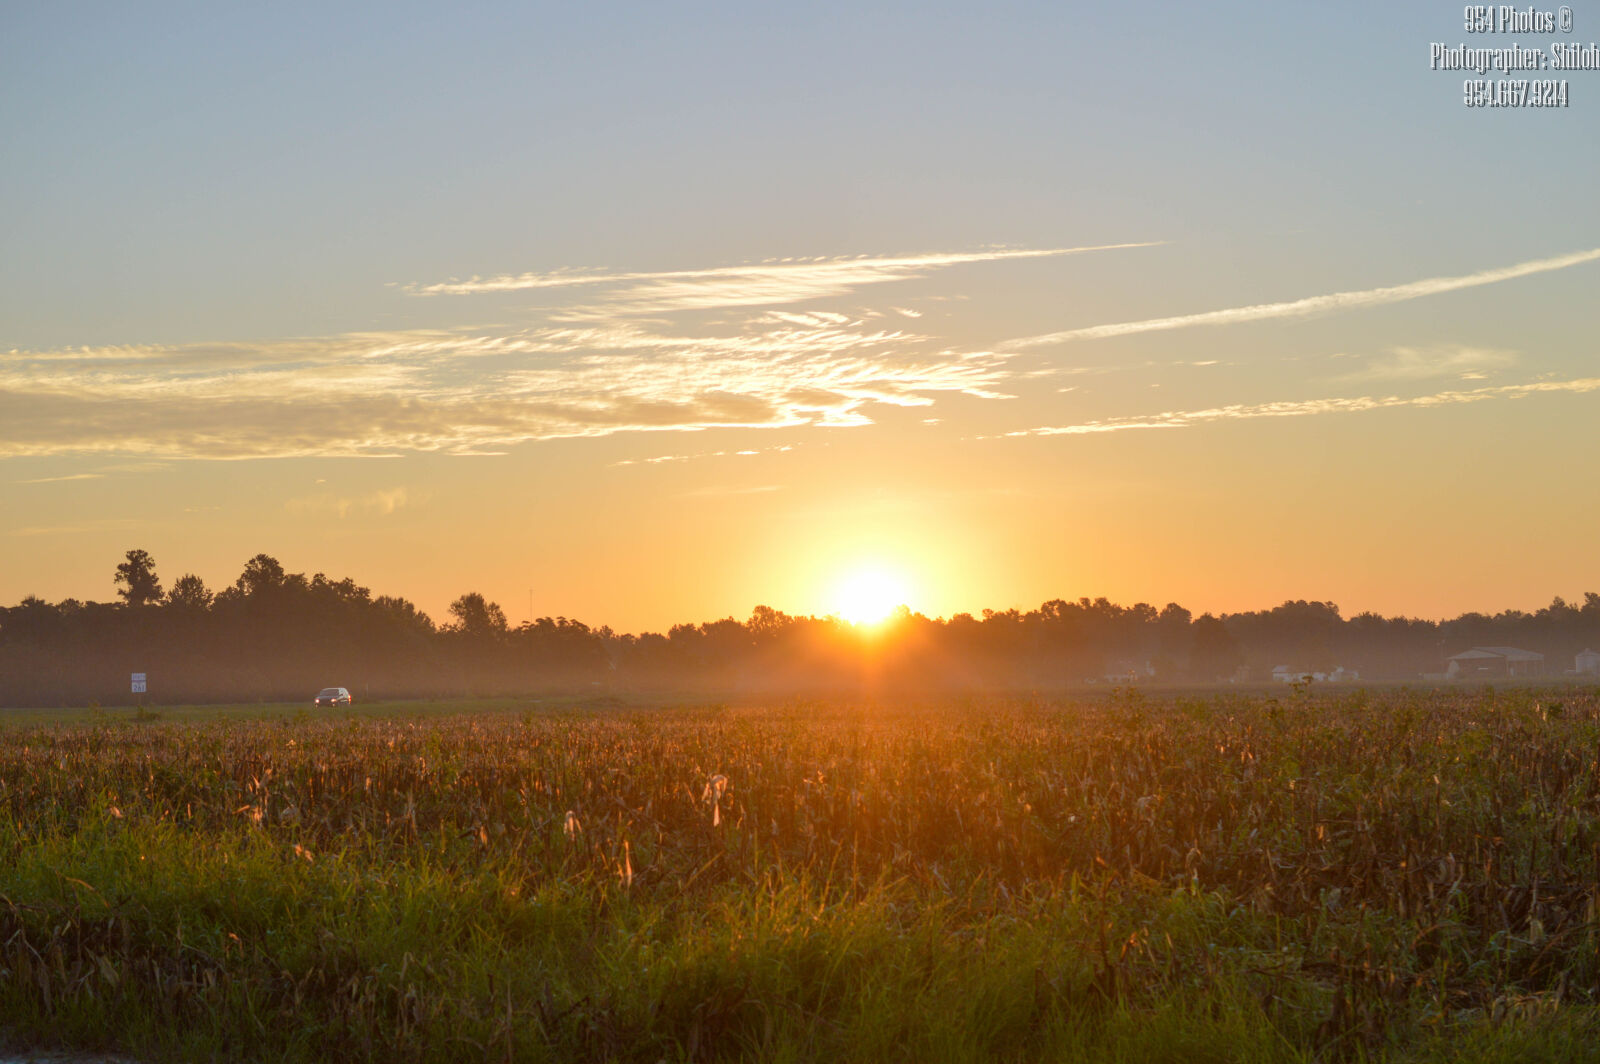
279,636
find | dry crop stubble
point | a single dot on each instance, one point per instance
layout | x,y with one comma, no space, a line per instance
1330,874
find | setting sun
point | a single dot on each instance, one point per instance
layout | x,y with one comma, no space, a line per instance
868,594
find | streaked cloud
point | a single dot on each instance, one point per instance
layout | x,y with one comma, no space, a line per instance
814,318
1439,360
662,459
381,503
59,480
1179,419
467,391
136,467
475,391
779,282
1312,305
641,355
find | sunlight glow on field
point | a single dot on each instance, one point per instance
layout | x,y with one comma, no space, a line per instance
868,594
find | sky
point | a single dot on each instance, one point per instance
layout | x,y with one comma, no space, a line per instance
644,314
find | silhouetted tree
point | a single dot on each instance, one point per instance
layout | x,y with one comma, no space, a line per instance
136,579
766,623
403,615
1215,653
189,592
263,573
476,616
1299,634
1172,641
276,634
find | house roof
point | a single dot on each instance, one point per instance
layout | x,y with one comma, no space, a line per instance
1509,653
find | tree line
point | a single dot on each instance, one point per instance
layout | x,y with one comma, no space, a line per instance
276,635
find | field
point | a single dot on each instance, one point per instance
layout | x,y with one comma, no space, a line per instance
1397,875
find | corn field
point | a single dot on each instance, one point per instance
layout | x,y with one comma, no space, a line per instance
1397,875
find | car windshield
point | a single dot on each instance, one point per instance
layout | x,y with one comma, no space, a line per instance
330,692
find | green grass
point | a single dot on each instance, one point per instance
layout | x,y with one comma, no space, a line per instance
1401,877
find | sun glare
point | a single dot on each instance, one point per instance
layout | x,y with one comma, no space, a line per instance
868,595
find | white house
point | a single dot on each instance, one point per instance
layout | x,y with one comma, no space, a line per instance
1285,674
1588,663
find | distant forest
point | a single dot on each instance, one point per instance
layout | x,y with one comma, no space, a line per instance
275,635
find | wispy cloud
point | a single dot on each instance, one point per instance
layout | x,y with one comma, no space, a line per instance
1312,305
640,356
1178,419
382,503
136,467
814,318
58,480
774,283
661,459
1439,360
467,391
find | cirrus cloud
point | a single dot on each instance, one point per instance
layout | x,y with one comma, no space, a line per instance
584,371
1312,305
465,392
1179,419
1438,360
778,282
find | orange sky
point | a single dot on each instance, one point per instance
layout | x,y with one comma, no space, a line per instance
655,320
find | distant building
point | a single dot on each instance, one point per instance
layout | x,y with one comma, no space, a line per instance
1340,674
1588,663
1490,662
1128,671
